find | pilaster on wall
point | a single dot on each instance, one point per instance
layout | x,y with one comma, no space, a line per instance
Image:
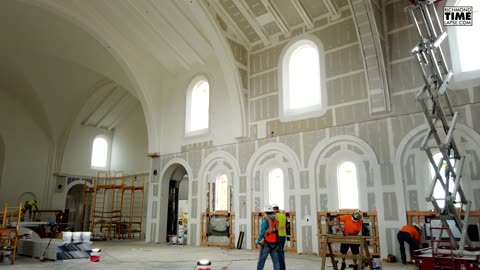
152,222
373,58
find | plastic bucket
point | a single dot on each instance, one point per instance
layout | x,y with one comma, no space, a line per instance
95,255
203,265
77,237
377,264
67,237
86,236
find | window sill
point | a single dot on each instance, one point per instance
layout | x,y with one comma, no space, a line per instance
196,133
465,80
302,114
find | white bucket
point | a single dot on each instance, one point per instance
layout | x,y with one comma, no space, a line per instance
77,237
67,237
95,255
377,264
174,240
86,236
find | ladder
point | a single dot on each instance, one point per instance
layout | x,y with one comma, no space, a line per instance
441,119
442,251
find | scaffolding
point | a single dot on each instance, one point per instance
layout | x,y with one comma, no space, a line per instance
113,205
11,217
441,120
106,206
132,199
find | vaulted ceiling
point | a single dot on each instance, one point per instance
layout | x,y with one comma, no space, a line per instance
57,55
266,21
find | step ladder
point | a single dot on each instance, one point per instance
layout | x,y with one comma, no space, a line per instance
440,117
442,250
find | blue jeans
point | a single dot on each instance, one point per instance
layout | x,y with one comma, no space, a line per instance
266,249
281,252
402,238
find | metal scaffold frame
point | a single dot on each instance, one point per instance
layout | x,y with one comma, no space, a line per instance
441,120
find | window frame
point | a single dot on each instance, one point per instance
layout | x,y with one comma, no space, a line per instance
460,79
441,203
287,114
214,205
338,184
269,190
107,158
188,106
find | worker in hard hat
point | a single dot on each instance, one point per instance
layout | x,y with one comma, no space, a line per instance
28,206
352,225
268,239
281,222
411,235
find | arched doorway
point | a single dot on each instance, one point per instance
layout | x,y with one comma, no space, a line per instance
177,200
73,207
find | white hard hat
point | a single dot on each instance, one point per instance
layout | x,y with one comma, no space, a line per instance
274,205
417,227
268,208
357,215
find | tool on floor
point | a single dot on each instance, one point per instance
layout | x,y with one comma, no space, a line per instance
42,258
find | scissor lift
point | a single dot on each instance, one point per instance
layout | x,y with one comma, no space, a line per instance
441,120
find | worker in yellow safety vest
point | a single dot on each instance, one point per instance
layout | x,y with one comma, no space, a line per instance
29,206
281,221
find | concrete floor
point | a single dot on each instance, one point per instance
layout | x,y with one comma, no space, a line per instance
134,254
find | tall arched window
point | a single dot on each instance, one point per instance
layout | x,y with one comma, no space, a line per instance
347,186
464,42
197,114
275,188
302,83
221,193
438,191
99,152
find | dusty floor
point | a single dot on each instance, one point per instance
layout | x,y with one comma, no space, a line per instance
130,254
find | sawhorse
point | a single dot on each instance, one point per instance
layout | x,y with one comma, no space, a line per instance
363,256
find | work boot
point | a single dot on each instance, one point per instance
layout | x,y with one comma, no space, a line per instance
355,267
344,265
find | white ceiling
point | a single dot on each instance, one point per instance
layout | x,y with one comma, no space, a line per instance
60,71
57,70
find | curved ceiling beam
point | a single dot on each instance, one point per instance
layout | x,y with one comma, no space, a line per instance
119,49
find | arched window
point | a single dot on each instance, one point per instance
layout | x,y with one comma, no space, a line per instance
302,83
464,42
197,113
221,193
275,188
438,191
99,152
347,186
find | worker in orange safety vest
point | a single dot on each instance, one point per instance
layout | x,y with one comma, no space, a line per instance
411,235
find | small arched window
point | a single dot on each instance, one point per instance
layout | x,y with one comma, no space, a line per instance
197,114
347,186
99,152
276,188
438,190
221,193
464,42
302,82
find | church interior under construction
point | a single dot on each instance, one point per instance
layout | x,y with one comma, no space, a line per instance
146,127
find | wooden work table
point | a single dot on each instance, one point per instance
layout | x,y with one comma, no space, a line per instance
363,257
